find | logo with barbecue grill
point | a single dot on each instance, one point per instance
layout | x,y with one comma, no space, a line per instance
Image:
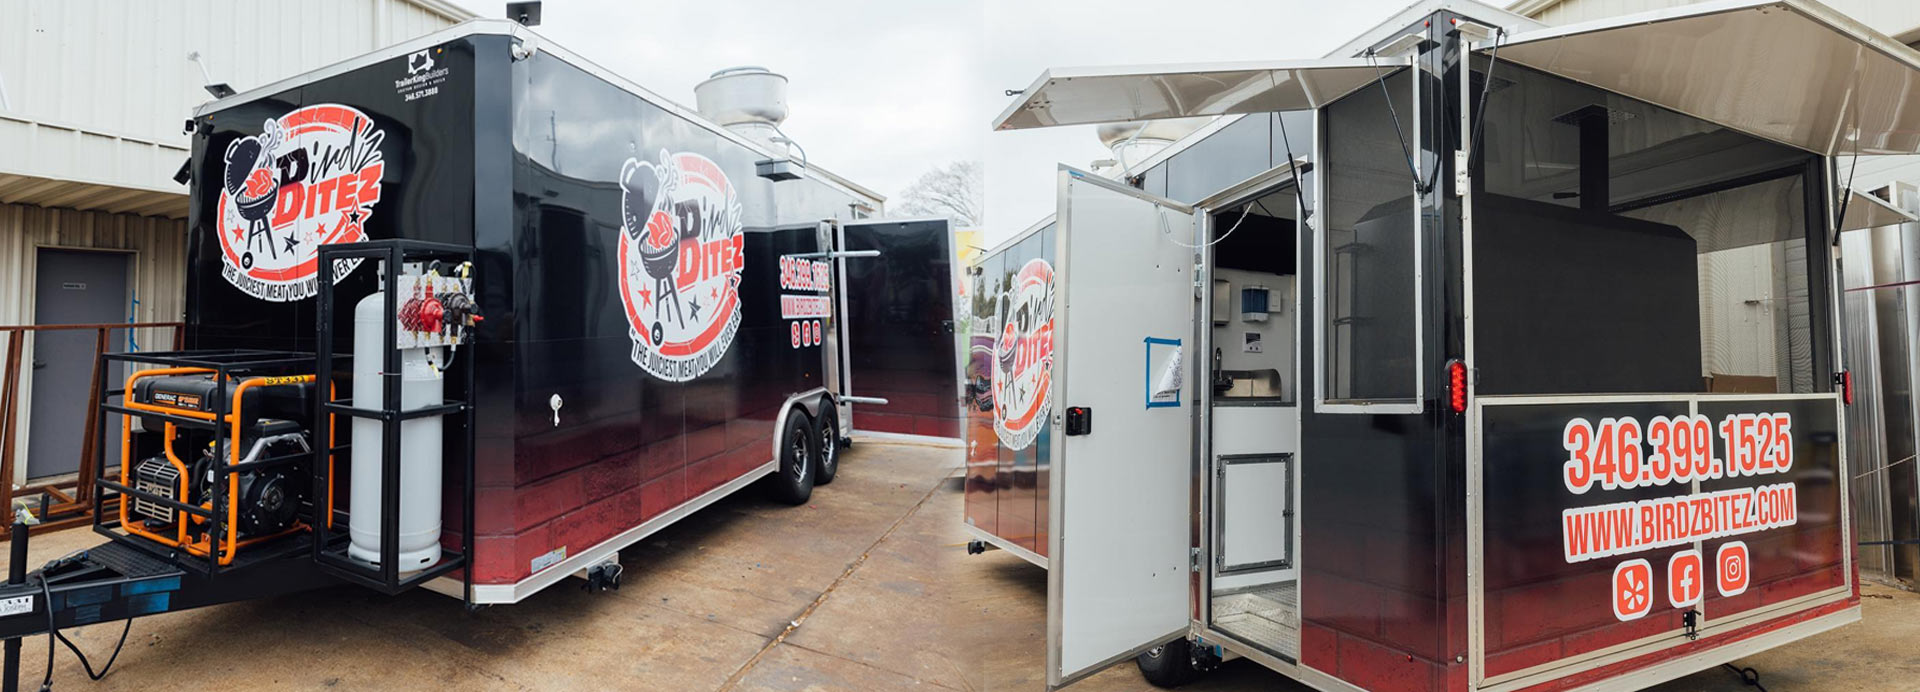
310,178
680,258
1023,357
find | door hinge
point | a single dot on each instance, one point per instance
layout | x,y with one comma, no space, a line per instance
1461,180
1193,559
1691,620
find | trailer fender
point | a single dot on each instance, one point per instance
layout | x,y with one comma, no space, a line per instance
809,402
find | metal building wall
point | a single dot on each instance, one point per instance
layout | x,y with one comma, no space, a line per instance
96,91
1883,326
93,95
158,248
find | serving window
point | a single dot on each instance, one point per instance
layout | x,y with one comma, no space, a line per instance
1623,248
1367,252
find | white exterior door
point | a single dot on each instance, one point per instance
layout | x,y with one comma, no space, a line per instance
1120,566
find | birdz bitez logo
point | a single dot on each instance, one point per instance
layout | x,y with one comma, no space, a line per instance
680,258
310,178
1023,357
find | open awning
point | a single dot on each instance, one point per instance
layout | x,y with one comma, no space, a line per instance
1086,95
1792,71
1868,211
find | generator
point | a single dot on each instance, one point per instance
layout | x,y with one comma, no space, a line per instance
190,428
267,499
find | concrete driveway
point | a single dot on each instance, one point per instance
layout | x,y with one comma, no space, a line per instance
745,595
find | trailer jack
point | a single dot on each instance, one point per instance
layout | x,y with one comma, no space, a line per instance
603,577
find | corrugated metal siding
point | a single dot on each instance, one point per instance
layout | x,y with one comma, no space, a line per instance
1866,419
92,73
159,273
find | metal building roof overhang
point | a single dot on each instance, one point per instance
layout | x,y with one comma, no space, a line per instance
1090,95
1791,71
1867,211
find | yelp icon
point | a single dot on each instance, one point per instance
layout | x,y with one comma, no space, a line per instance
1632,589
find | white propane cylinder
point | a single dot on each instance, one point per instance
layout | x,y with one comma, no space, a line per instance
421,385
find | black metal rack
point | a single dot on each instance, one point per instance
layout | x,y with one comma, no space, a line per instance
329,546
227,367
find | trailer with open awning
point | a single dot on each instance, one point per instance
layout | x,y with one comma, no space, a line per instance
1557,401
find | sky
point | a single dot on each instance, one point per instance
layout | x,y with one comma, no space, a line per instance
883,90
878,90
1025,38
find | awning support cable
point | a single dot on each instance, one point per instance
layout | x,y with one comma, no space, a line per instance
1846,196
1846,193
1493,58
1394,115
1882,469
1306,212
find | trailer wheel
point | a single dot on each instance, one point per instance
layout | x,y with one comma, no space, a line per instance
793,482
1169,664
829,436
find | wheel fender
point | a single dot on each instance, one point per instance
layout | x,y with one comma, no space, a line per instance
809,402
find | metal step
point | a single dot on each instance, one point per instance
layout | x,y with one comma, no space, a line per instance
129,561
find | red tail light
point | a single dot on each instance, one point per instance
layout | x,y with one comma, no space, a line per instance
1457,386
1846,387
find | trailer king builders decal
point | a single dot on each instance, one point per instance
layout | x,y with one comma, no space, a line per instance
310,178
681,252
1622,453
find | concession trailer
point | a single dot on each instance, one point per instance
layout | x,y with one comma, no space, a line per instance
1515,352
472,314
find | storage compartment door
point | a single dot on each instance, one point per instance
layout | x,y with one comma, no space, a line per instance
899,325
1122,458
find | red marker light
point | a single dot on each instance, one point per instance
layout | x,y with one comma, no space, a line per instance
1846,387
1457,385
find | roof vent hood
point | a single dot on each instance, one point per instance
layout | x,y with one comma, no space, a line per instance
1134,142
750,101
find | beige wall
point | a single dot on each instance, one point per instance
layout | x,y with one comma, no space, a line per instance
158,248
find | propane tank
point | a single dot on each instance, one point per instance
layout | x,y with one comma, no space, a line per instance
421,385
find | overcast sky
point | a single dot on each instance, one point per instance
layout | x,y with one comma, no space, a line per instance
882,90
879,91
1026,37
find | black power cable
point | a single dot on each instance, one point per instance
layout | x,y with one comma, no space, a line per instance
53,633
1747,675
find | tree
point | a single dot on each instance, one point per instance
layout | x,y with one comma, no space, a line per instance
956,190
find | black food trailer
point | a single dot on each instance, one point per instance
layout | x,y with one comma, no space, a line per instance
1558,401
472,314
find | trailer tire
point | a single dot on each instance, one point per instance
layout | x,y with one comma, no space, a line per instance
1168,665
829,437
793,480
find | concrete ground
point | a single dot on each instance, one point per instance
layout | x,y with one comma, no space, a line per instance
710,603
